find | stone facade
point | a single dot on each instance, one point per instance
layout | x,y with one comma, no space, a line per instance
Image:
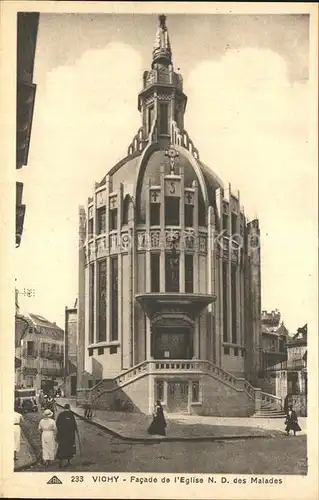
169,265
289,378
40,348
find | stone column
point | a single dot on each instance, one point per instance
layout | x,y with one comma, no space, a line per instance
219,283
162,229
148,240
182,233
96,284
210,264
196,241
120,269
81,344
196,347
107,250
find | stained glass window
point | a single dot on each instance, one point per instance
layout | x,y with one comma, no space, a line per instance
114,298
172,210
102,300
163,118
155,272
150,117
172,272
126,204
113,219
155,214
90,229
159,390
101,220
195,392
234,304
189,273
189,215
225,301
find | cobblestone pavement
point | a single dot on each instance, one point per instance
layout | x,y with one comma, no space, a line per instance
103,453
25,455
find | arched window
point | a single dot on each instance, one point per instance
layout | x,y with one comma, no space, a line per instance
126,205
201,211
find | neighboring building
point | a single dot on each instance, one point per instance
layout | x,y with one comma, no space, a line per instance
21,327
288,378
40,345
70,350
27,24
167,308
274,337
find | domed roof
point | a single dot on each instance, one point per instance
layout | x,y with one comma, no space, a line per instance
194,170
138,171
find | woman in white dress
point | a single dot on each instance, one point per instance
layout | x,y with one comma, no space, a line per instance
48,429
17,433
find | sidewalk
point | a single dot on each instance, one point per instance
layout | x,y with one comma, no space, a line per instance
133,426
25,457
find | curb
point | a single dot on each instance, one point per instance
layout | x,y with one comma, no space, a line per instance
35,452
170,439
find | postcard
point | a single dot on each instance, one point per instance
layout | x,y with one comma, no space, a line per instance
159,213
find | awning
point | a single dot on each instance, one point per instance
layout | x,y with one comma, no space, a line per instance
191,304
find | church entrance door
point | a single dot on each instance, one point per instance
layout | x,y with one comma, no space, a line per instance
177,396
172,343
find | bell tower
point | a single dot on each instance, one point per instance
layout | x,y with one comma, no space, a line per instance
162,101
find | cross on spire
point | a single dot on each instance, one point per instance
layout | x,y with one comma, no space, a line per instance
189,197
162,52
154,195
172,155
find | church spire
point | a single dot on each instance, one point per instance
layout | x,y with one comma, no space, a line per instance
162,53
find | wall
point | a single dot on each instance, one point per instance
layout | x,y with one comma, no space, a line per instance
218,399
134,395
296,352
106,365
281,384
234,364
299,403
125,304
269,383
202,274
72,320
139,327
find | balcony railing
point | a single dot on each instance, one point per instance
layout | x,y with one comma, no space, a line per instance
30,354
52,372
51,355
28,370
289,365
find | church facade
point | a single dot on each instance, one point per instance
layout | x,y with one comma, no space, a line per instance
169,271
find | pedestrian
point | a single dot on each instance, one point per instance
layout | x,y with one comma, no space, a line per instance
292,421
286,405
51,405
17,433
88,414
47,428
66,432
40,398
158,425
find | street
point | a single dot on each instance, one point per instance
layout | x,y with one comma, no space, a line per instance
103,453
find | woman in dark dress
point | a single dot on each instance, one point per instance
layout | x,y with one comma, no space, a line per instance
158,424
292,421
66,431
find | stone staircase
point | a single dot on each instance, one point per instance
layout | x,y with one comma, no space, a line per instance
271,407
128,383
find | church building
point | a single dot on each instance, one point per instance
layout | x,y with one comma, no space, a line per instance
169,271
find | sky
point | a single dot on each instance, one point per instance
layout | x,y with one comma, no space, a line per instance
249,113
